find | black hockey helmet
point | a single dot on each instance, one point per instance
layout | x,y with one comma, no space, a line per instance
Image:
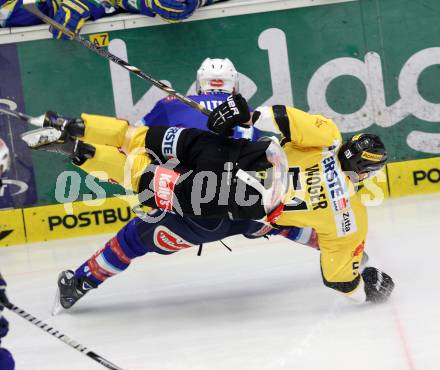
363,154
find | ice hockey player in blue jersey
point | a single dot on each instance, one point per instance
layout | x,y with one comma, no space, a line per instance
216,80
6,359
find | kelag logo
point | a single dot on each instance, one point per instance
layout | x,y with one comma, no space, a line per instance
93,218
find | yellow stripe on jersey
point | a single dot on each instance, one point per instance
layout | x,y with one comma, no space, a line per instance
66,21
160,5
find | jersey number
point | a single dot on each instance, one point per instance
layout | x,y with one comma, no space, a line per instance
295,204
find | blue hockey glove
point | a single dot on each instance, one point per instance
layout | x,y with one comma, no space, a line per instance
12,13
72,14
4,327
6,360
174,10
48,7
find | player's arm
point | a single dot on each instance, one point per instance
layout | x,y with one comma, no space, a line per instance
297,127
292,125
72,14
157,116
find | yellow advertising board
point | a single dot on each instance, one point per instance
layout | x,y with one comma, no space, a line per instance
420,176
75,219
108,215
12,230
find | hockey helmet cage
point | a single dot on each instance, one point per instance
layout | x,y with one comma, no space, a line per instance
363,154
5,158
217,75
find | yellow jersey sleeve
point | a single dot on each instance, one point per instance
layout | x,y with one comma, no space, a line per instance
300,128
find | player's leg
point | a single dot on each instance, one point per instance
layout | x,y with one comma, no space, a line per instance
104,146
221,173
103,130
169,234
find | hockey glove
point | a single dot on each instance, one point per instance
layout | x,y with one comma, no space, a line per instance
13,14
234,111
49,7
4,327
175,10
378,285
72,14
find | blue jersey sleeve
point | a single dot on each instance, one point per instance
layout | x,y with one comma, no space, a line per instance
172,112
157,117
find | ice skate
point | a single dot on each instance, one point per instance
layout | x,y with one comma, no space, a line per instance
70,290
69,127
53,140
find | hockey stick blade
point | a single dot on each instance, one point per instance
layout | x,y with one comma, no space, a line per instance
109,56
36,121
62,337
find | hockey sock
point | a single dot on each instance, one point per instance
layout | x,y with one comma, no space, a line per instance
117,254
105,263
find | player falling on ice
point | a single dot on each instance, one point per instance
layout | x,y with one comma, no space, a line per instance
303,182
216,80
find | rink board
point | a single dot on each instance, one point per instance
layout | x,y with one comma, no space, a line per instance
378,78
108,215
66,220
414,177
12,227
351,61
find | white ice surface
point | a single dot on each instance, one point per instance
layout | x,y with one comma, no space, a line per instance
263,306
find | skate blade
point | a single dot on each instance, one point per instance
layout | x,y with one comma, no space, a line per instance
37,121
40,137
56,308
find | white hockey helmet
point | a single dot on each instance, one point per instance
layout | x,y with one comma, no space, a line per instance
217,75
5,158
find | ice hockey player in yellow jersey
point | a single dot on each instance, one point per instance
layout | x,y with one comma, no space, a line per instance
302,182
323,196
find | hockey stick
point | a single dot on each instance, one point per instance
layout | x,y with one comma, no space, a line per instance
106,54
37,121
62,337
